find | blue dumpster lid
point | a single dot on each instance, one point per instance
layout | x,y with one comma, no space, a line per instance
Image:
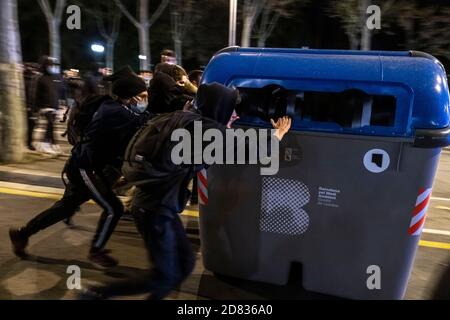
417,80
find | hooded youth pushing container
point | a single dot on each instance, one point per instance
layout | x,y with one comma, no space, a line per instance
356,170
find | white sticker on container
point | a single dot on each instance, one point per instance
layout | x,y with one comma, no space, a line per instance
328,197
376,160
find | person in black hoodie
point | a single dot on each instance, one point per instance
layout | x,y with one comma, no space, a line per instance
169,89
95,165
162,191
48,91
31,75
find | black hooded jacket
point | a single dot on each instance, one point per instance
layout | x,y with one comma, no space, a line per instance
165,95
107,136
49,89
164,188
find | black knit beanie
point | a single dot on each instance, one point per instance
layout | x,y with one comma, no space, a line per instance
126,84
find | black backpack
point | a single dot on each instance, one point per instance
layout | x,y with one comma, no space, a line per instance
81,115
151,145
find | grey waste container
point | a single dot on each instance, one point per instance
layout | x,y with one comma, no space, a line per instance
356,171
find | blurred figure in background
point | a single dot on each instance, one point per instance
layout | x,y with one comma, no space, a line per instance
31,75
93,81
94,167
168,56
147,76
195,76
49,89
74,85
74,93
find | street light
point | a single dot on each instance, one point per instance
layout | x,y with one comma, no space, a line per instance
232,26
97,48
142,57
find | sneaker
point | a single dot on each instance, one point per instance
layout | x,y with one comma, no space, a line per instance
19,241
103,259
45,147
56,149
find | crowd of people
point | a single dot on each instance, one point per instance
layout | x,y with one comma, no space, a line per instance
51,94
120,127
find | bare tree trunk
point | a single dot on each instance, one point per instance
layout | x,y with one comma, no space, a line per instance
144,36
261,42
111,19
144,45
55,41
181,19
54,23
12,109
246,31
366,33
110,54
143,26
269,19
354,43
178,51
251,11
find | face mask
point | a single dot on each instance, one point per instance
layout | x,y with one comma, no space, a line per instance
53,69
140,107
147,81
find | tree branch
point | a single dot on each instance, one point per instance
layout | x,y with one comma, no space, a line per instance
124,10
60,4
45,6
272,24
101,26
174,24
387,6
158,12
116,25
187,17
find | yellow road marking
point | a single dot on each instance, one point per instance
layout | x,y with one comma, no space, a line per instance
442,207
433,244
190,213
34,194
30,193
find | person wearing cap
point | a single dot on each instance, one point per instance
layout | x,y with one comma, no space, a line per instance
168,56
102,147
48,91
170,89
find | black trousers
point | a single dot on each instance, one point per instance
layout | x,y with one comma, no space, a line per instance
31,122
83,186
170,254
49,132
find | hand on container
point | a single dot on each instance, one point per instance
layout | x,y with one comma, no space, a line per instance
282,126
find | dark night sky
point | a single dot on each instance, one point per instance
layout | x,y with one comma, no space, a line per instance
308,26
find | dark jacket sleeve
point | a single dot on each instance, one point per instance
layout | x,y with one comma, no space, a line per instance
166,95
107,137
235,146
